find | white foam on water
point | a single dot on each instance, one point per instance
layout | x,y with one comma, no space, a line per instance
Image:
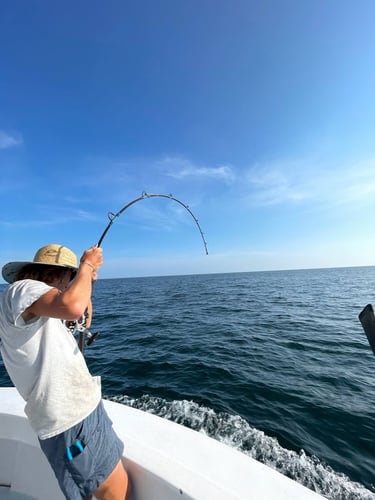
234,431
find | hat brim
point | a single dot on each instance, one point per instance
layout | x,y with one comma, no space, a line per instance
11,269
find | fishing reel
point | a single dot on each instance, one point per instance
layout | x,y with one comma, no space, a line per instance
85,336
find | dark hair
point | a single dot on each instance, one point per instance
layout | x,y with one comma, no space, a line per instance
40,272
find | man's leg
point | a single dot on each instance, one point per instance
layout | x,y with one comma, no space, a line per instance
115,487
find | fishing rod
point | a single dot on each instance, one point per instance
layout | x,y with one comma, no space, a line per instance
80,326
112,217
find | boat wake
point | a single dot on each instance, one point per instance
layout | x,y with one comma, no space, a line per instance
237,433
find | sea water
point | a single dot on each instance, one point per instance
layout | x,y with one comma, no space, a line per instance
275,364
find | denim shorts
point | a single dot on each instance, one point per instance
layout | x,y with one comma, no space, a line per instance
84,456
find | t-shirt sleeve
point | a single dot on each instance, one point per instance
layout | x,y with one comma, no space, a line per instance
20,296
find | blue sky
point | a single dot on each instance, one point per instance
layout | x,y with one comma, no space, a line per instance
258,115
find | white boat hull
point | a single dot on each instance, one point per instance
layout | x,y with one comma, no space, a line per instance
165,461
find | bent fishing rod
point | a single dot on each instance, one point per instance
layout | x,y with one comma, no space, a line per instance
80,326
112,217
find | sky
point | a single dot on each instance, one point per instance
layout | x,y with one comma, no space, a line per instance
258,115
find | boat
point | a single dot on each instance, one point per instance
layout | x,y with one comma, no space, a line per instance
165,461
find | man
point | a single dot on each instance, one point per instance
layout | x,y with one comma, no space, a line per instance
63,401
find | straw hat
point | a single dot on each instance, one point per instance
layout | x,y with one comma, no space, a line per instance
50,255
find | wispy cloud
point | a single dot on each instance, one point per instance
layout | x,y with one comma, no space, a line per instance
358,183
182,168
114,181
272,184
301,182
9,140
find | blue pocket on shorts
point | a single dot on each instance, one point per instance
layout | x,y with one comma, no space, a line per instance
74,450
79,460
80,455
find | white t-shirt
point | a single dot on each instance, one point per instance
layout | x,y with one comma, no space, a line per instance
44,363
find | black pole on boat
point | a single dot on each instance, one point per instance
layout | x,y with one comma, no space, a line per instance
112,217
367,319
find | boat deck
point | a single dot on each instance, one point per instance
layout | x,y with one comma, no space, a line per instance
7,494
165,461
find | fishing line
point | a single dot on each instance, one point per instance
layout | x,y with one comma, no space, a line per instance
112,217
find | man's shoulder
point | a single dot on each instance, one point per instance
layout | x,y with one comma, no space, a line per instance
25,288
28,284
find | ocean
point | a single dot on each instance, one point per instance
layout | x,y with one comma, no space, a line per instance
275,364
